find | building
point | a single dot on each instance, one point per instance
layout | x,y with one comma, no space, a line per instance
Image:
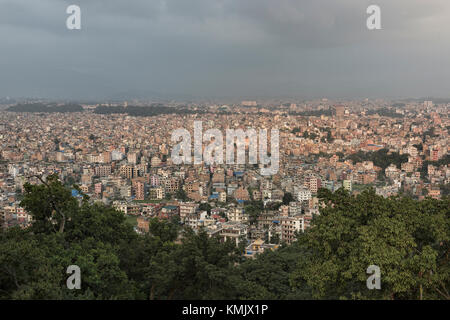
347,184
187,208
127,171
241,194
98,188
434,193
237,215
168,212
428,104
139,190
157,193
249,103
303,194
232,231
106,157
257,247
171,185
290,226
103,171
143,224
127,208
339,110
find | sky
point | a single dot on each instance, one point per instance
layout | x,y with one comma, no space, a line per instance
224,48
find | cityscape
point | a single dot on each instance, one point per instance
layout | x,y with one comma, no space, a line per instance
261,182
125,161
119,156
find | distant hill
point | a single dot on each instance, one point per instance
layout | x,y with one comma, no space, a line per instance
39,107
149,111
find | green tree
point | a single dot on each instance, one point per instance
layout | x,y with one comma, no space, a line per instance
407,239
181,195
205,207
287,198
50,204
199,268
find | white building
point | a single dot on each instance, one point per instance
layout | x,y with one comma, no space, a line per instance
303,194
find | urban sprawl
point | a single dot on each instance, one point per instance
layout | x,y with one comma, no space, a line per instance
122,158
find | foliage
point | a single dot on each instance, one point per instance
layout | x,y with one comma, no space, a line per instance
407,239
205,207
380,158
148,111
39,107
385,112
287,198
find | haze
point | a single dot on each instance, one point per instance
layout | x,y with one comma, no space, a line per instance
224,48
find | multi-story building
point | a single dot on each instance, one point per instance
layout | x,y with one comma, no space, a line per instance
241,194
171,185
237,215
127,171
139,190
303,194
187,208
157,193
233,231
289,227
347,184
103,171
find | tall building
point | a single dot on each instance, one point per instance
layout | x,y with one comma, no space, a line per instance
340,110
347,184
139,190
249,103
434,154
106,156
116,155
428,104
154,180
102,171
132,158
303,194
127,171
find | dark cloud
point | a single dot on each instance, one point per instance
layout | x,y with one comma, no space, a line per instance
224,48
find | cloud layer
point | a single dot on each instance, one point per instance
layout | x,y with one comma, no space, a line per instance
304,48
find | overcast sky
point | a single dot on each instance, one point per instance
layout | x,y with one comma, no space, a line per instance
226,48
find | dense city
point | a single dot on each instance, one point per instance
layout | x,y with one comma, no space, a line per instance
123,159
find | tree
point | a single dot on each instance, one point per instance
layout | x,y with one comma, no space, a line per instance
200,268
205,207
163,230
26,272
49,203
407,239
275,239
267,276
181,195
287,198
254,210
380,158
88,236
